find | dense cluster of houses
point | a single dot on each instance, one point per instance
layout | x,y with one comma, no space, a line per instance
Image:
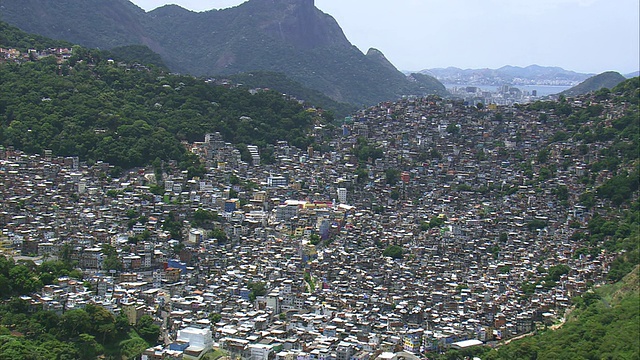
300,272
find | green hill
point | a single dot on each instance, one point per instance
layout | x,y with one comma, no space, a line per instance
130,115
281,83
604,325
607,80
429,82
286,36
141,54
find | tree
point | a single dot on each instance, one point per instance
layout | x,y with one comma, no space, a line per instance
545,174
556,271
543,156
435,154
310,282
392,176
395,194
543,118
234,179
22,280
5,286
437,221
588,199
215,318
88,347
202,217
536,224
364,151
122,325
362,174
220,235
102,321
132,214
314,239
156,189
561,192
133,348
74,323
147,329
173,225
65,253
453,129
111,261
393,251
256,289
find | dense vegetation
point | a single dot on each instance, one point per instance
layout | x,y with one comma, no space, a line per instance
605,323
365,152
140,54
75,334
98,110
281,83
25,277
393,251
616,229
31,333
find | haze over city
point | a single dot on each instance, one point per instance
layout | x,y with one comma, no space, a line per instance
589,36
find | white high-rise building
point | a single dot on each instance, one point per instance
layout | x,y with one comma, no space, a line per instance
255,154
342,195
198,338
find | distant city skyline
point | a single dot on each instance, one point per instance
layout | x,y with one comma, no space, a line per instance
587,36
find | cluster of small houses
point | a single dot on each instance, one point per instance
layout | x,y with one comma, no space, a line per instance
15,55
312,233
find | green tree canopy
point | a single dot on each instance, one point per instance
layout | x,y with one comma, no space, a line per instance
394,251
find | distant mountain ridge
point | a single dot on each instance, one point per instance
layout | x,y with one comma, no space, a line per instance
285,36
512,75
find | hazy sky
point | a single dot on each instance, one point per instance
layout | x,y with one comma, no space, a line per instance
590,36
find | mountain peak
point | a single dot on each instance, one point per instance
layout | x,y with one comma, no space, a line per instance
168,10
297,22
377,56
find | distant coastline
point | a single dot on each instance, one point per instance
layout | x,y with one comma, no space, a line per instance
543,90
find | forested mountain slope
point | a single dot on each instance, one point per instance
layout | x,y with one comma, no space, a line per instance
286,36
129,115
